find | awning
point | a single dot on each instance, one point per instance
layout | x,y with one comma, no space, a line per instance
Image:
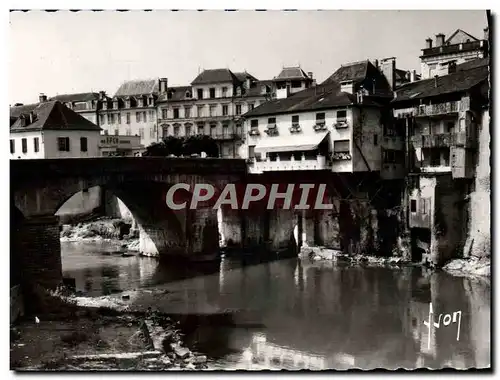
290,143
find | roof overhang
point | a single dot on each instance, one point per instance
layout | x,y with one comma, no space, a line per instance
290,143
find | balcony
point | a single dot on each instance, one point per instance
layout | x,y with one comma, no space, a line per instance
254,132
341,124
295,128
443,140
320,126
226,136
271,130
438,109
320,163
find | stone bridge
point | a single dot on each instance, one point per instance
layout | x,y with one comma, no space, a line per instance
40,187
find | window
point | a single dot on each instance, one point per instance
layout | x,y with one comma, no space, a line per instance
320,118
213,130
271,120
176,113
12,146
24,145
295,119
446,157
413,205
341,146
110,120
164,114
166,131
101,119
138,117
63,144
225,110
128,117
119,118
212,93
176,131
188,130
152,133
341,116
117,132
238,109
424,202
450,126
200,111
187,112
225,130
251,106
296,84
251,151
188,94
83,144
200,93
254,124
201,129
375,140
224,92
212,110
36,144
128,132
141,132
144,116
435,157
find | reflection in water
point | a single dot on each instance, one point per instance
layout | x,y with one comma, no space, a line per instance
299,315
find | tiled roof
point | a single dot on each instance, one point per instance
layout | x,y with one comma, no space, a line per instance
25,108
178,93
289,73
243,76
257,88
355,72
53,115
215,76
138,87
473,64
457,82
82,97
324,96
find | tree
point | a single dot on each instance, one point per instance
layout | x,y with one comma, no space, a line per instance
181,146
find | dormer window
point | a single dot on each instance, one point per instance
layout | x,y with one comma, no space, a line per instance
170,94
188,94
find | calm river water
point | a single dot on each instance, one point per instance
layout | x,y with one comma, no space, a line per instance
293,314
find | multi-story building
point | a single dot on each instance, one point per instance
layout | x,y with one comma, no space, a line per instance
443,58
292,80
50,130
341,125
213,106
86,104
441,118
132,110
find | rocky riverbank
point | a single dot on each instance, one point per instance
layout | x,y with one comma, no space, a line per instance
326,254
76,338
109,229
471,267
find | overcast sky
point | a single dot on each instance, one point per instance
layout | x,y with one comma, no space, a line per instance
65,52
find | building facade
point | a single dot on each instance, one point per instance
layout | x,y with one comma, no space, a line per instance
445,55
86,104
51,130
132,111
111,145
341,126
212,106
441,118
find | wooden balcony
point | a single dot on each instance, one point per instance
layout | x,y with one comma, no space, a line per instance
438,109
443,140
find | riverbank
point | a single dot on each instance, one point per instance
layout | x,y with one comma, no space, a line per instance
80,338
470,267
113,230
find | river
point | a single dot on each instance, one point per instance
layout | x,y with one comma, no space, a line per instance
293,314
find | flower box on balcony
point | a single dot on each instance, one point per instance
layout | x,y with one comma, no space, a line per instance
341,156
295,128
320,127
271,130
341,124
254,132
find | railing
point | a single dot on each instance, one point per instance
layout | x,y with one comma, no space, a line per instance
443,140
226,136
438,109
320,163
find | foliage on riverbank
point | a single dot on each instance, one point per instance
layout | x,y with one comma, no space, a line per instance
325,254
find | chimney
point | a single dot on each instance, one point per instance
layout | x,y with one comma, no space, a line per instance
102,95
347,86
42,98
163,85
428,43
413,75
436,80
248,82
388,68
310,75
439,39
486,35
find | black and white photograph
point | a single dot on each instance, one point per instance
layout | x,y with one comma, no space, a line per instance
249,189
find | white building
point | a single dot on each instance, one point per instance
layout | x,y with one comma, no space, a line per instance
51,130
459,48
341,125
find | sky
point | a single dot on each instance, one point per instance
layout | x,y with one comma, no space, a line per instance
68,52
